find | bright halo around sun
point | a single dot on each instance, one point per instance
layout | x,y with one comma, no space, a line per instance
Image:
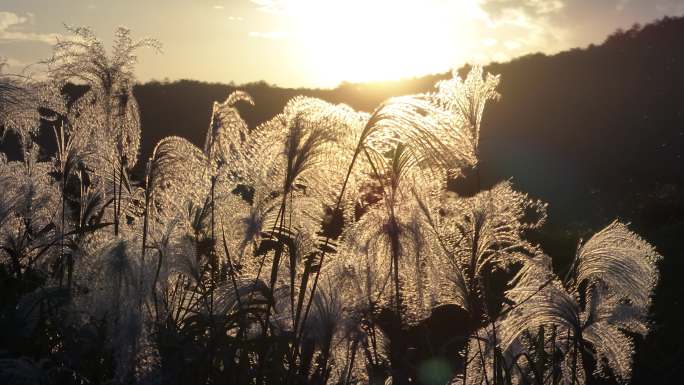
371,40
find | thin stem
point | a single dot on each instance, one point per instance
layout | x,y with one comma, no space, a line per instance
348,375
121,178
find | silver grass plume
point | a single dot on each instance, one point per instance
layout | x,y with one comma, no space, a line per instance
601,302
30,199
177,173
621,261
394,240
442,127
84,59
111,125
109,104
467,99
292,146
182,170
484,233
110,76
225,139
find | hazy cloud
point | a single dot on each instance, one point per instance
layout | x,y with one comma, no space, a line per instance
8,19
11,26
532,7
527,25
270,6
235,18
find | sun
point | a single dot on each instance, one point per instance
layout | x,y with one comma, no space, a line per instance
371,40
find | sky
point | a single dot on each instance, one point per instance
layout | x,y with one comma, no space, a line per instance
320,43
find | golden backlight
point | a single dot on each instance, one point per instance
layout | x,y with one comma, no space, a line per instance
357,40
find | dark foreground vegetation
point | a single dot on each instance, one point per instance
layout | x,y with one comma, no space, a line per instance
294,253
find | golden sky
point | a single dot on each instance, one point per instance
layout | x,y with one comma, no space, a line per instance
320,43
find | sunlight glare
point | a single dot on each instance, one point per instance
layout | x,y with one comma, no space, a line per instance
357,41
